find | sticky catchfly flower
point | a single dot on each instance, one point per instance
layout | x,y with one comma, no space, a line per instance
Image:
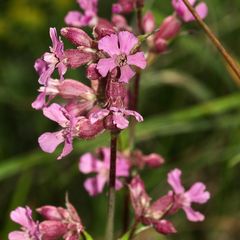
185,14
29,228
183,199
87,18
90,164
119,47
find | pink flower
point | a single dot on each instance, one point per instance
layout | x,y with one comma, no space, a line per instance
147,213
185,14
90,164
46,65
87,18
119,47
118,116
29,229
49,141
124,6
60,222
184,199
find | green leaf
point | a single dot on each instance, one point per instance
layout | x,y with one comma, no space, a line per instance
87,236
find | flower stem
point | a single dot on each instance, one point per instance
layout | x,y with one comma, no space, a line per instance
112,182
133,229
214,39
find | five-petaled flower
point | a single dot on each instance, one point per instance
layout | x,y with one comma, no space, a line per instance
46,65
89,163
183,12
118,116
49,141
119,47
29,229
183,199
87,18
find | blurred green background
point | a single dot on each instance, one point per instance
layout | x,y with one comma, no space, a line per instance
189,99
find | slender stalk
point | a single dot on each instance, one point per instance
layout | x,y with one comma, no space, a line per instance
112,193
133,229
214,39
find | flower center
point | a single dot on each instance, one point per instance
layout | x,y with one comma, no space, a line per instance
121,60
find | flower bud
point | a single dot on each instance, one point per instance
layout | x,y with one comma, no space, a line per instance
164,227
153,160
50,212
120,23
160,45
77,36
78,108
88,130
103,28
75,58
92,72
124,6
148,22
169,29
52,229
70,88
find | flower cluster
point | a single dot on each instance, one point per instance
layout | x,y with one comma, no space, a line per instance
113,60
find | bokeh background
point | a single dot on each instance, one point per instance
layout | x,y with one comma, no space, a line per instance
189,99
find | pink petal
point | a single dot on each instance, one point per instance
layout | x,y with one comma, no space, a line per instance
192,215
39,102
95,185
40,66
56,113
74,18
68,147
126,74
127,41
18,235
106,65
175,181
202,10
137,59
135,114
122,167
46,74
118,184
109,44
88,163
197,193
22,216
49,141
105,152
120,121
54,37
98,115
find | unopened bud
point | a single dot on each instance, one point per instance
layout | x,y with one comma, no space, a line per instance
75,58
169,29
103,28
148,23
160,45
50,212
77,36
92,72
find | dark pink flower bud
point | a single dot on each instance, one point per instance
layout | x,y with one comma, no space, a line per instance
169,29
50,212
153,160
78,108
164,227
92,72
87,130
120,23
116,90
52,230
75,58
103,28
77,36
70,88
148,22
160,45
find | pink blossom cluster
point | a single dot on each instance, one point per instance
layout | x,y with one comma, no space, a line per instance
113,59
